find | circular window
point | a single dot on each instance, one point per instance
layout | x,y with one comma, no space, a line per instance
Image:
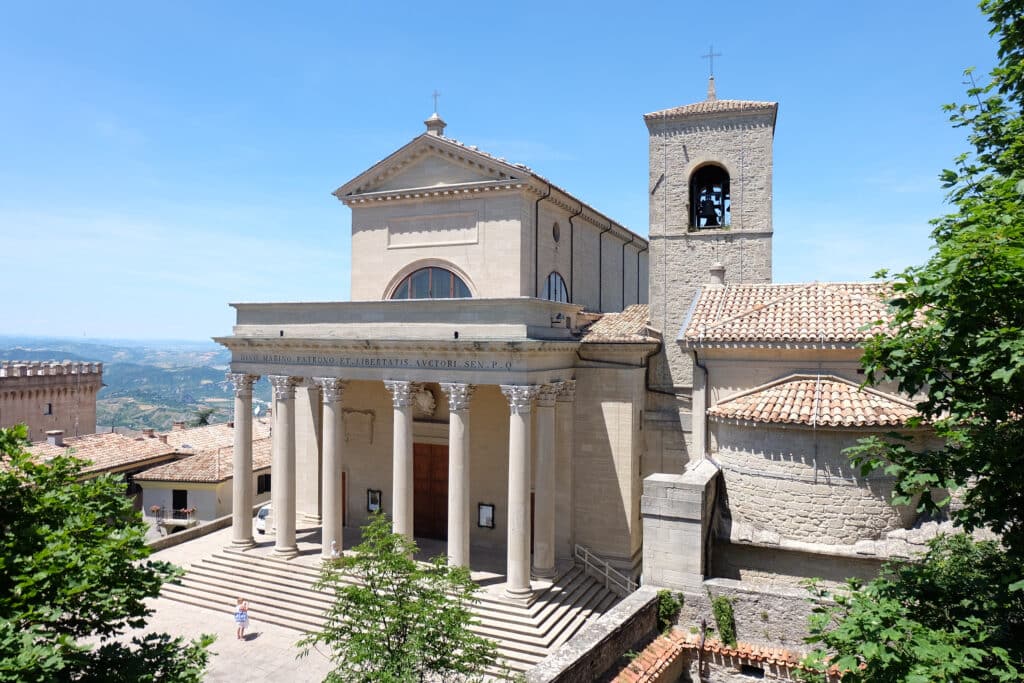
556,231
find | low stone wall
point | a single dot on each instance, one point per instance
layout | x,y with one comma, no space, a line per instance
770,616
594,649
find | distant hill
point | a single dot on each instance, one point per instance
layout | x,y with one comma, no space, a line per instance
146,384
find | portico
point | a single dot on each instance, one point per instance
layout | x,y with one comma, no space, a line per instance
451,376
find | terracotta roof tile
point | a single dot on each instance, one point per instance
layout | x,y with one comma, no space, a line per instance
628,326
210,437
662,652
712,107
107,451
210,466
816,312
816,400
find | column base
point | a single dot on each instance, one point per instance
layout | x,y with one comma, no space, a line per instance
543,573
286,553
242,544
518,594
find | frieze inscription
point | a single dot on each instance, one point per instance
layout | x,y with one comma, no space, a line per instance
375,362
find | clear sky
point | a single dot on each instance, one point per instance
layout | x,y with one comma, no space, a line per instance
159,160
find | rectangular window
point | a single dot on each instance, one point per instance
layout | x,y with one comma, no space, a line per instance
262,483
47,409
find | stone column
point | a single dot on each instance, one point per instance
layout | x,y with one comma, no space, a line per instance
333,438
544,483
564,470
459,511
241,468
282,490
518,564
402,472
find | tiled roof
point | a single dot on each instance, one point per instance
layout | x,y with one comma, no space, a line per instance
106,451
662,652
626,327
211,466
816,312
817,401
712,107
211,437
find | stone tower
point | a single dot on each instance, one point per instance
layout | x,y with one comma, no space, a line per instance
711,204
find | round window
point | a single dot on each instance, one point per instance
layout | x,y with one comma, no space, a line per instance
556,231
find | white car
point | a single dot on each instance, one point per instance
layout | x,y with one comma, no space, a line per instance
261,519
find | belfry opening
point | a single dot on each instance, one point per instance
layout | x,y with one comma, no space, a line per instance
710,203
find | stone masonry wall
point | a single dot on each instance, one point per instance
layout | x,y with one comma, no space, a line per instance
799,485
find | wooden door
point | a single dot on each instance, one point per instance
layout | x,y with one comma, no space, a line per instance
430,491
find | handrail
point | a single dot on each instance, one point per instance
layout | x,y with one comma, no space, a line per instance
614,580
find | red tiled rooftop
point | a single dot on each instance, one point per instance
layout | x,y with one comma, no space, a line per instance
211,466
106,451
816,312
628,326
713,107
817,401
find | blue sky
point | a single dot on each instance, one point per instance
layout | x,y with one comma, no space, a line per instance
159,160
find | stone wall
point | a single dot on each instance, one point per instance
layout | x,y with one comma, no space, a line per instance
798,484
593,650
49,396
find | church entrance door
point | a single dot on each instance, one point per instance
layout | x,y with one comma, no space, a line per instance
430,491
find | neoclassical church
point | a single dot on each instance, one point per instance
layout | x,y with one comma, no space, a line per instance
519,373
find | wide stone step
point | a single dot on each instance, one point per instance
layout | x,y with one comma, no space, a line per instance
282,593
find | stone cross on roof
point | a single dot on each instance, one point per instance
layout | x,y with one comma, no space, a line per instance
710,56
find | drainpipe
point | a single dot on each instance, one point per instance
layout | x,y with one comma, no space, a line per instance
536,243
622,261
572,253
600,268
638,252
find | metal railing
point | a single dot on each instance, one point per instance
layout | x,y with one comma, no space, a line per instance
613,579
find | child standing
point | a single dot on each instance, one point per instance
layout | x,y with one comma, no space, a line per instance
241,617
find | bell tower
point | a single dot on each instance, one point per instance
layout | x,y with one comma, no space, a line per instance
710,205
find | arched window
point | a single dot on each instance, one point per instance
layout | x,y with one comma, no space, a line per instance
709,197
555,290
432,283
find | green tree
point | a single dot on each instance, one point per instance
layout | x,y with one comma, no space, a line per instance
73,577
203,416
396,620
956,340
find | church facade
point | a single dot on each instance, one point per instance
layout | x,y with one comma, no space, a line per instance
520,373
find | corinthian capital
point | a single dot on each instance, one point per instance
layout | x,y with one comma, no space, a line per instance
284,386
519,396
547,393
568,392
401,392
332,387
458,395
242,383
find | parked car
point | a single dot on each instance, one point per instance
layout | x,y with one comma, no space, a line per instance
261,519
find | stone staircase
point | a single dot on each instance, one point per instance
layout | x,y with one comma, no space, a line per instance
281,593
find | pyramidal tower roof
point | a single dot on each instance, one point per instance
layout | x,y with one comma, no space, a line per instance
712,105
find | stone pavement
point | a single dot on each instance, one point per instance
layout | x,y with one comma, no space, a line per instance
267,654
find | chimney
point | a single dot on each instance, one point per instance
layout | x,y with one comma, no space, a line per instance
179,425
231,425
148,433
55,437
717,273
163,438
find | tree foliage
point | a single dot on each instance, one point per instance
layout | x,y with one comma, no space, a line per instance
950,617
396,620
73,572
957,336
956,341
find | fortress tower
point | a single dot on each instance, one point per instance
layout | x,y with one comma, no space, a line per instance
710,205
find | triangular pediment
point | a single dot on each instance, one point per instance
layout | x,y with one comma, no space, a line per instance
430,161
